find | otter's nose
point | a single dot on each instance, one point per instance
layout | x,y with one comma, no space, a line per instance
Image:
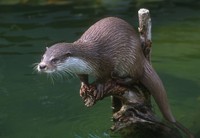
42,66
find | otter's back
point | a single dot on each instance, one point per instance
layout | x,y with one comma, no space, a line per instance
116,42
110,29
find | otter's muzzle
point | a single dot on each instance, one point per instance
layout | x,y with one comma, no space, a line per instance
42,67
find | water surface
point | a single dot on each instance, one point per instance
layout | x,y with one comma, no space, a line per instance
33,106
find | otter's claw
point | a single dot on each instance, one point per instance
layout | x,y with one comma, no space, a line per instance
89,101
100,91
93,92
84,88
87,94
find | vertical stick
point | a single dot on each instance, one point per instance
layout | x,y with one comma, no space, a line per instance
145,32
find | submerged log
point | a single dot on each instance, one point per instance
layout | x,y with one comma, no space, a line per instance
132,110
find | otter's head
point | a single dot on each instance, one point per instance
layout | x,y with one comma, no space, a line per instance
61,58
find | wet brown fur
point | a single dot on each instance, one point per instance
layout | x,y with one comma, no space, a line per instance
114,45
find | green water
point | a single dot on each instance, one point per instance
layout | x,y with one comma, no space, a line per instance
31,106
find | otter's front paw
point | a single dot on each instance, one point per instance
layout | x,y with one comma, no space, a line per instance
87,94
100,91
83,90
105,89
89,101
92,93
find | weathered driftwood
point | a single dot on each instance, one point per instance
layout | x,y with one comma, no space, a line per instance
132,110
145,32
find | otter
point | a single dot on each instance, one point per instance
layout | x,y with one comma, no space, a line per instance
110,45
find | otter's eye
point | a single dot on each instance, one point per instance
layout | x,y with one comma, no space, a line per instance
54,60
68,54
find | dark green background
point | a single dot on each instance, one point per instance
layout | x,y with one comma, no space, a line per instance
31,106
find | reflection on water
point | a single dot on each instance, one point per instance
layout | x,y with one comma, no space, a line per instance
33,106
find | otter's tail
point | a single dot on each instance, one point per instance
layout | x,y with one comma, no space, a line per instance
152,82
184,129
